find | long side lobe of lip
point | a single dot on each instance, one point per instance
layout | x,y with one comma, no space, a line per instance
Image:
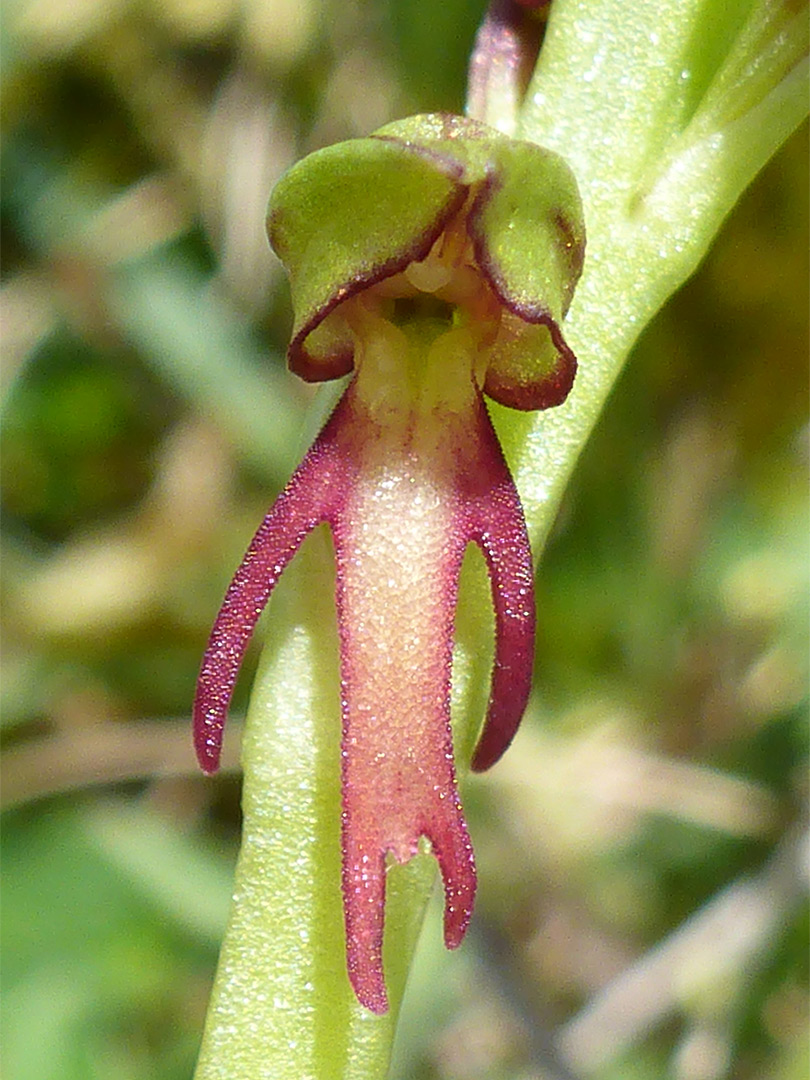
311,497
497,526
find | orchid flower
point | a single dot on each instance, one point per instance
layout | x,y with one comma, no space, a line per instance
434,261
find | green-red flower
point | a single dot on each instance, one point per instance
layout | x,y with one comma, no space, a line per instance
434,261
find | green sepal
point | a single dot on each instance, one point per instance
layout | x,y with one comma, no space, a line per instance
344,218
527,228
351,215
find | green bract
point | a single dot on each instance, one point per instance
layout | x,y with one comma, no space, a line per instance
353,215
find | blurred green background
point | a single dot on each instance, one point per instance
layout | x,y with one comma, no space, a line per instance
642,905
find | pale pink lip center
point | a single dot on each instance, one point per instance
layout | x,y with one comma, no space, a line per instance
407,472
399,550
